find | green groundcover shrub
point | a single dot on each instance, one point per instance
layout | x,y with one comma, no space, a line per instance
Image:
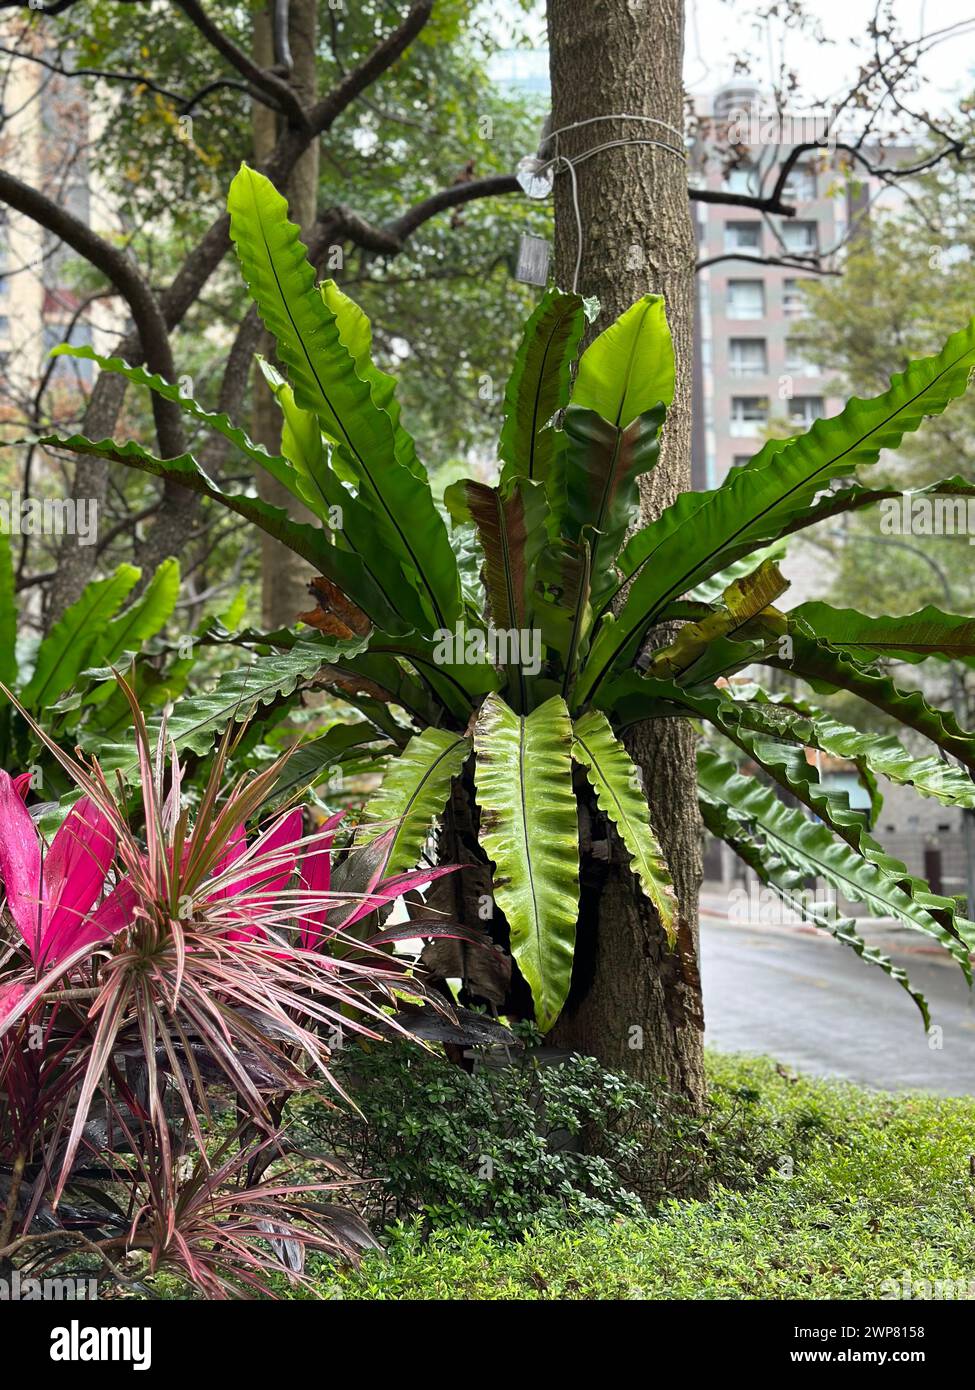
528,1142
814,1190
872,1196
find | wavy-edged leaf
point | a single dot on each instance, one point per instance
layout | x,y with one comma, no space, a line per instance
323,375
744,600
415,790
214,420
825,505
352,524
750,509
69,645
882,755
454,664
355,330
814,850
772,868
633,698
529,828
197,720
539,386
310,542
315,759
711,590
382,679
629,367
305,449
788,765
615,779
562,607
510,524
914,637
126,634
856,497
827,670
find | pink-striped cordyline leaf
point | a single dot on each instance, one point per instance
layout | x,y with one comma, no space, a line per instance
177,964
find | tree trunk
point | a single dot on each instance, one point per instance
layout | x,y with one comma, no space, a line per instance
642,1008
76,563
284,575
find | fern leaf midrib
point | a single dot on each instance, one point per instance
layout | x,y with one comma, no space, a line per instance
441,620
539,381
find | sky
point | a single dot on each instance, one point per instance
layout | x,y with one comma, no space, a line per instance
717,30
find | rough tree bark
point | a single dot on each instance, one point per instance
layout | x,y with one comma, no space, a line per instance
642,1008
284,575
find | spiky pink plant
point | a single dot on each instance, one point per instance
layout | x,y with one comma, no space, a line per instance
173,960
51,897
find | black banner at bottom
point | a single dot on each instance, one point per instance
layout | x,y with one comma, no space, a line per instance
141,1338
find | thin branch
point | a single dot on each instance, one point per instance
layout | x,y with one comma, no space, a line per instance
203,260
127,523
280,91
184,104
282,41
364,74
341,223
120,272
741,200
811,267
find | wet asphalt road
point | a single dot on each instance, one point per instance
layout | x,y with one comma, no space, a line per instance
812,1004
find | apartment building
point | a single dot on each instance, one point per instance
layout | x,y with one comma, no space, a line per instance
753,378
753,371
46,133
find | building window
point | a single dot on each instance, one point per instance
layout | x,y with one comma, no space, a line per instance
797,358
748,415
800,186
741,179
69,368
793,302
746,299
803,410
800,238
743,236
747,357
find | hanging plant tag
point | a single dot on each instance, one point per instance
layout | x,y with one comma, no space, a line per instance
534,254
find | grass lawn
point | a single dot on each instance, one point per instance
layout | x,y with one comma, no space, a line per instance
871,1188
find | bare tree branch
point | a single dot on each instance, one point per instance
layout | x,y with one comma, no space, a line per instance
281,93
810,267
120,272
282,39
184,104
372,67
341,223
